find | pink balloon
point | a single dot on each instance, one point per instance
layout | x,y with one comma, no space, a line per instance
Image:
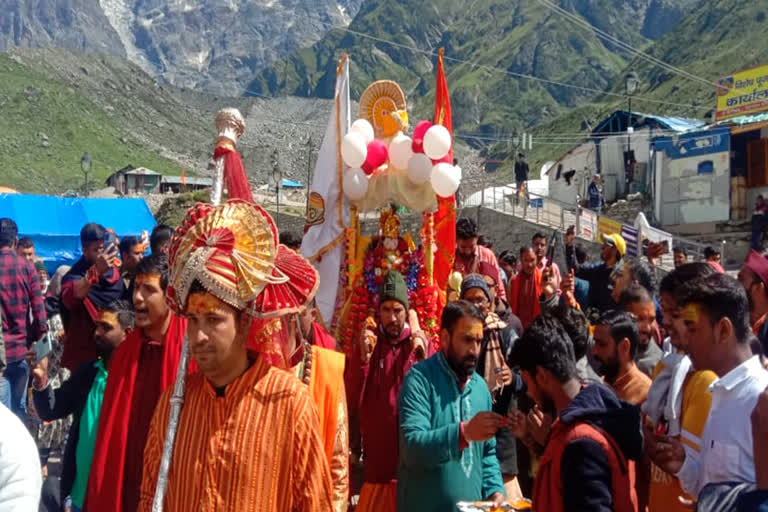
377,156
418,136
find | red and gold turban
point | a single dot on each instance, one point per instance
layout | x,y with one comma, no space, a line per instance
232,251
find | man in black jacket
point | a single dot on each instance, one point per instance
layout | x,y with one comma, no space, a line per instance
521,173
493,365
597,274
81,396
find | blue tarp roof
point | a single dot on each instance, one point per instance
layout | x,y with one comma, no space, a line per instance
54,223
292,184
617,122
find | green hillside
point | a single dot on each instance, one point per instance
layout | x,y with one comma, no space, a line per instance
47,126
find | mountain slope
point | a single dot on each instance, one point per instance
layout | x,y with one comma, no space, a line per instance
708,43
209,44
513,36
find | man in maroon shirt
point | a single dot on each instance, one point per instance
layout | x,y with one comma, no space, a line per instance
20,294
372,389
141,369
92,283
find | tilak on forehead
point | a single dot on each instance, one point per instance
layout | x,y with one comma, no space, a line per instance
149,278
692,312
108,317
201,303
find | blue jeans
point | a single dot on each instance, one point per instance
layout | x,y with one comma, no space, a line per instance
5,392
15,380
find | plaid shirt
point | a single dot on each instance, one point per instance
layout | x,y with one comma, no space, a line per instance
20,293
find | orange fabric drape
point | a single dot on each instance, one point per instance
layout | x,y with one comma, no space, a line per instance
325,386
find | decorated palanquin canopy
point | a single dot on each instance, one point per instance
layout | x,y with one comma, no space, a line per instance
386,165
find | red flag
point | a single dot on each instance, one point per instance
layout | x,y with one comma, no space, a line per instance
183,180
445,217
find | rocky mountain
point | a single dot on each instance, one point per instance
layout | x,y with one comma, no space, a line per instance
212,45
492,45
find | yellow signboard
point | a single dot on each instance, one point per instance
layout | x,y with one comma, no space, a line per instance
742,93
606,226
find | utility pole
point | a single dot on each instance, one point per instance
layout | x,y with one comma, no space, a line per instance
277,179
309,169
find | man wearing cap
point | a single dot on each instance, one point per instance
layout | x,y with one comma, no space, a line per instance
493,366
373,390
753,276
597,274
248,436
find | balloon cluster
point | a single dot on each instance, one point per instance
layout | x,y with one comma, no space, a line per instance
425,157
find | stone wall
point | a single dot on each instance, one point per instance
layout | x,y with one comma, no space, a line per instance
506,231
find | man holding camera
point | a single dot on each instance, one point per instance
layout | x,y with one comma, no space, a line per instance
92,283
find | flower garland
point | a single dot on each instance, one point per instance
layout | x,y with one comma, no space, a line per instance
365,290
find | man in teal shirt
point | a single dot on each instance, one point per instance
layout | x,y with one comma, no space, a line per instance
447,427
81,395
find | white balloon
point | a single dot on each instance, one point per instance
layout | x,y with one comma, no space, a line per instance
363,127
354,149
355,184
400,151
437,142
445,180
419,168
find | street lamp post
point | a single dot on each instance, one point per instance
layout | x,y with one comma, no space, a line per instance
277,180
85,165
631,83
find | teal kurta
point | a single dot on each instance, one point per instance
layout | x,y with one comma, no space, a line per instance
433,473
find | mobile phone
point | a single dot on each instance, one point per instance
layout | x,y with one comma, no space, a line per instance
43,347
551,249
110,238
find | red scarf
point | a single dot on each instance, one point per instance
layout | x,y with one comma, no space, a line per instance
105,482
321,338
514,303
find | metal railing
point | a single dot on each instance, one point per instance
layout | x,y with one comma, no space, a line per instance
559,215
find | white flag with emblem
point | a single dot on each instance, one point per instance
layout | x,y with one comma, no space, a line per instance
328,213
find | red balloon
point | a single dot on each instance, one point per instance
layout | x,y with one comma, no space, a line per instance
418,136
377,156
421,129
446,159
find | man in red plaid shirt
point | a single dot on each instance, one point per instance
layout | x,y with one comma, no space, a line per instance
24,320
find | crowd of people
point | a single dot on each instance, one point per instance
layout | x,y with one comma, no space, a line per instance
605,385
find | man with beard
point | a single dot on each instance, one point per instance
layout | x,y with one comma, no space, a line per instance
616,340
316,362
81,395
638,302
493,367
525,290
589,456
469,254
539,243
373,389
141,369
447,427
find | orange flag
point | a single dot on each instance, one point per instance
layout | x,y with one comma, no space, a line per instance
445,216
183,180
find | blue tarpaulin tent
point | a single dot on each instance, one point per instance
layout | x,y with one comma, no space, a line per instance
54,223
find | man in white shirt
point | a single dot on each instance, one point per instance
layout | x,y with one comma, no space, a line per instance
20,475
716,314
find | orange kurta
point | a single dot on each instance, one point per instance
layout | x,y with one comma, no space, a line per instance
257,448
